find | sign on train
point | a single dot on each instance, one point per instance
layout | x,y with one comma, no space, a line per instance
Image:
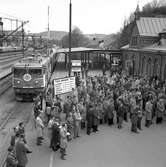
64,85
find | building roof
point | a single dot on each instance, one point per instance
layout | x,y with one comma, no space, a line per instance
79,49
151,26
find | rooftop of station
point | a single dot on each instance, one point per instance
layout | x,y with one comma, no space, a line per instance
84,49
78,49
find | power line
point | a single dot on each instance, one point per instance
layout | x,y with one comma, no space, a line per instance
17,18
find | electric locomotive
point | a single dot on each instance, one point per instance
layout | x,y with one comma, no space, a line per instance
31,76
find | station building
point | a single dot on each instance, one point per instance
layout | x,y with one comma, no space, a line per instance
145,55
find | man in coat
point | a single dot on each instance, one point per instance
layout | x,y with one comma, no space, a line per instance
110,112
11,160
55,135
40,129
76,122
63,140
21,152
120,114
67,106
134,117
89,117
95,117
148,114
160,111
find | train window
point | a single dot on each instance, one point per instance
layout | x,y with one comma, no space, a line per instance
35,72
19,72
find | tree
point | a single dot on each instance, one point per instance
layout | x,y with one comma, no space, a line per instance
77,39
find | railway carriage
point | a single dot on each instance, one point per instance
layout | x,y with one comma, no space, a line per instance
31,76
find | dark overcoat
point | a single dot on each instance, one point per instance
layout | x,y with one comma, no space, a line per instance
21,153
95,117
89,117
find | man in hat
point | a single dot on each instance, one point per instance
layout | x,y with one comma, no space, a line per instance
21,152
11,160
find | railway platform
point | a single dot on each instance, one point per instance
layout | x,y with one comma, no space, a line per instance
108,147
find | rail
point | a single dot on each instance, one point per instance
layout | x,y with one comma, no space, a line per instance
5,82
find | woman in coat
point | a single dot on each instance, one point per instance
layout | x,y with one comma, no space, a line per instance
63,140
77,121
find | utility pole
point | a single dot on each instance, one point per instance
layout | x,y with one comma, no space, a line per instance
23,37
70,22
1,32
48,33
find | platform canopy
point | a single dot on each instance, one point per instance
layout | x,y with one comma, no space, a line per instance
78,49
88,50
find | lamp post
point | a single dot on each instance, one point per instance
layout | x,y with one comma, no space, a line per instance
70,22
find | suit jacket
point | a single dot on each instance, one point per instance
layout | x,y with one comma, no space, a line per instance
21,153
11,160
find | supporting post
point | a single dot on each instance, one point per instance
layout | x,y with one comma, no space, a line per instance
23,38
70,20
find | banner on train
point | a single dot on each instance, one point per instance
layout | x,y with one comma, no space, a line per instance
64,85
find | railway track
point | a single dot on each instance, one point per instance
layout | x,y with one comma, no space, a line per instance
5,83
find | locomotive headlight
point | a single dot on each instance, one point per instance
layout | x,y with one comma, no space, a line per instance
36,82
18,82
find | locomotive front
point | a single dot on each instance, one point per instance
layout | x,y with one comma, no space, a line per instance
28,80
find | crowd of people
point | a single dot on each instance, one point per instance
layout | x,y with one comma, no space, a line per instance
98,100
101,100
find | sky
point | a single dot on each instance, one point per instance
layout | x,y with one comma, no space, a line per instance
90,16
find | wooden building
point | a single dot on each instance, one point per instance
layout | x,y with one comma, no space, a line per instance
145,55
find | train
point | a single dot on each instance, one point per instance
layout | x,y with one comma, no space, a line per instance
32,74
